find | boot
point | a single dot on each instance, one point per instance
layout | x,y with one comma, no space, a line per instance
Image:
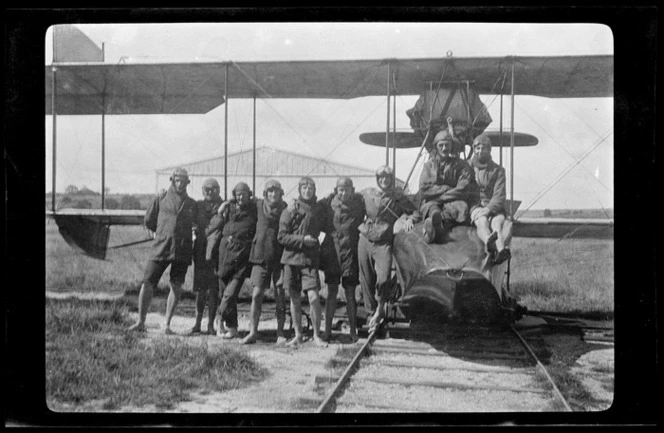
429,231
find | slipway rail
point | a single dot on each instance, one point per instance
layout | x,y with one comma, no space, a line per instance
477,369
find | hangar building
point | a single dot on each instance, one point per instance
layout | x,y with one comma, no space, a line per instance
284,166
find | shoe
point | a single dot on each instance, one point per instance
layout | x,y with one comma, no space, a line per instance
438,227
502,256
375,324
429,231
193,331
138,327
231,333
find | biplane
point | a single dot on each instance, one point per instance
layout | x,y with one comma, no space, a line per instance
453,279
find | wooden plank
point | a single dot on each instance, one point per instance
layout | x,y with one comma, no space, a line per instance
449,354
432,384
498,370
419,346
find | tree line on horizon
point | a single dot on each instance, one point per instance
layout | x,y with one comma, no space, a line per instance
85,198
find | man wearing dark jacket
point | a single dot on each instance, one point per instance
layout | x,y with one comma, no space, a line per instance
384,207
206,244
345,212
489,214
447,188
265,257
171,216
239,220
299,227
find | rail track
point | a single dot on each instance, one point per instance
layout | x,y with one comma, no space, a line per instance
452,369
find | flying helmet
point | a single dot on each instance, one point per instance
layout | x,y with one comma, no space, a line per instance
346,182
272,184
180,172
482,139
306,180
444,135
241,186
210,183
385,170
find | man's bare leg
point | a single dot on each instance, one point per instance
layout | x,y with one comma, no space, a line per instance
497,227
171,305
144,300
280,305
213,302
221,330
256,306
330,308
502,253
379,315
296,315
314,303
200,308
229,301
351,309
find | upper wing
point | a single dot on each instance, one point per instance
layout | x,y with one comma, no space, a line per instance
173,88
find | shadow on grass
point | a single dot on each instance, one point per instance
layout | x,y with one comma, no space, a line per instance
558,352
90,356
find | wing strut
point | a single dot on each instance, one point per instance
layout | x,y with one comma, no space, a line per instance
512,150
387,129
54,117
226,135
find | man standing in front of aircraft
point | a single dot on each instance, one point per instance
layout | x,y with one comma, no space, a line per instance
299,227
447,188
489,214
171,216
345,212
239,222
206,244
265,258
384,207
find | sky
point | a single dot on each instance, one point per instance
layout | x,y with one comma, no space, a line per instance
571,167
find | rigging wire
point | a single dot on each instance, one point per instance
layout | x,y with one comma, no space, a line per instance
353,90
324,160
596,194
564,173
556,141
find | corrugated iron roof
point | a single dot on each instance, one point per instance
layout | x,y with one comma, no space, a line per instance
268,160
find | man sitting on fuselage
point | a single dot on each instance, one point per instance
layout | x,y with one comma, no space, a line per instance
489,214
447,187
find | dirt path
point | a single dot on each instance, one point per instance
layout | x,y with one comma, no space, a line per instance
288,388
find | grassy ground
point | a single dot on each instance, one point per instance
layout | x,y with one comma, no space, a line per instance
564,276
558,352
91,357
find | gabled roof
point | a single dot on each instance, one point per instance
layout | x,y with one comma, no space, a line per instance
269,161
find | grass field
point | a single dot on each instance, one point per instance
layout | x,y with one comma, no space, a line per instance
567,276
90,357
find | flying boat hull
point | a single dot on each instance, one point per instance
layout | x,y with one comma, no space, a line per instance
450,281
